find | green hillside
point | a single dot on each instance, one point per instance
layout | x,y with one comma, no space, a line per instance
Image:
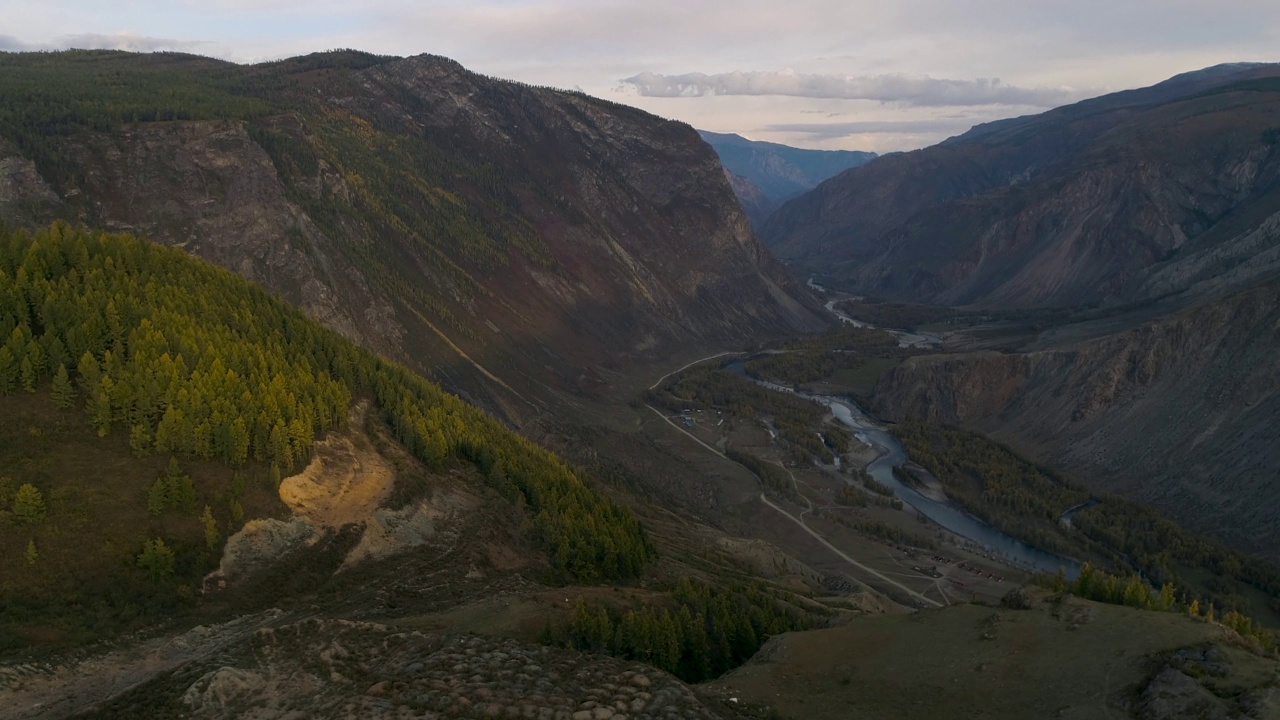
181,386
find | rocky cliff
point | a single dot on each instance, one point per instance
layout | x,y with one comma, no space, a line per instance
1181,411
757,204
1125,198
514,242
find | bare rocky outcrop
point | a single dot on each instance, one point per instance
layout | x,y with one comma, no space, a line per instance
209,188
258,545
69,685
343,669
222,689
20,183
1173,694
347,483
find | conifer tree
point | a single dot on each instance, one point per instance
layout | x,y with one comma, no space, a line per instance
211,535
28,505
89,372
1060,580
1084,586
1137,594
158,496
140,440
27,373
156,559
32,554
100,406
64,394
182,491
8,371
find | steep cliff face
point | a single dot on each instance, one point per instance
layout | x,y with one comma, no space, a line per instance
515,242
1181,412
755,202
1124,198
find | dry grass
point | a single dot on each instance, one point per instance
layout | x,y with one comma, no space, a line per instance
96,492
1075,660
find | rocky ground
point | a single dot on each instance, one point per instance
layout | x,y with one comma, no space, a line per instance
344,669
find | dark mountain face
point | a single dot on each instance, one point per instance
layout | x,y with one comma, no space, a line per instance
769,173
1128,197
756,203
1160,204
1180,411
512,241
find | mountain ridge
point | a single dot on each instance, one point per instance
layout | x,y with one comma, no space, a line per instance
1176,411
1157,212
473,228
1079,205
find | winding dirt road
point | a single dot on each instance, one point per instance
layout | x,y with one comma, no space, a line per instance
799,521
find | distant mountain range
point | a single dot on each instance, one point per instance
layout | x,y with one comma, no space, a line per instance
1122,198
1159,207
764,175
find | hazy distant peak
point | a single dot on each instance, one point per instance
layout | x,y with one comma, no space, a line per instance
776,172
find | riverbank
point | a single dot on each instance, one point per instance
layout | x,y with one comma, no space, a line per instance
891,454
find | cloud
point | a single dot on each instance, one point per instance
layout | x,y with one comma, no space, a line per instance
9,43
130,41
831,131
910,90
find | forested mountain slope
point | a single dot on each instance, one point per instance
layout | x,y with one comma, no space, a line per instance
1172,189
164,357
515,242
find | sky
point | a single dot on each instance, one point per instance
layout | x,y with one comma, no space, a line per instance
879,75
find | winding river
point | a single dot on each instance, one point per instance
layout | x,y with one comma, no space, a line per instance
892,454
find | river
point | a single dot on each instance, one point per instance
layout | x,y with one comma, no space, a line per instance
892,454
905,339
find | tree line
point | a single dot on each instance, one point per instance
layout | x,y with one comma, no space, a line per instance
1027,501
701,634
798,368
1132,591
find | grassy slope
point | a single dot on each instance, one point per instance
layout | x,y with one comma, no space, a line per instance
1083,660
96,494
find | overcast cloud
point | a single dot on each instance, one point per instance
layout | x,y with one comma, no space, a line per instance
886,74
902,89
131,42
832,130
